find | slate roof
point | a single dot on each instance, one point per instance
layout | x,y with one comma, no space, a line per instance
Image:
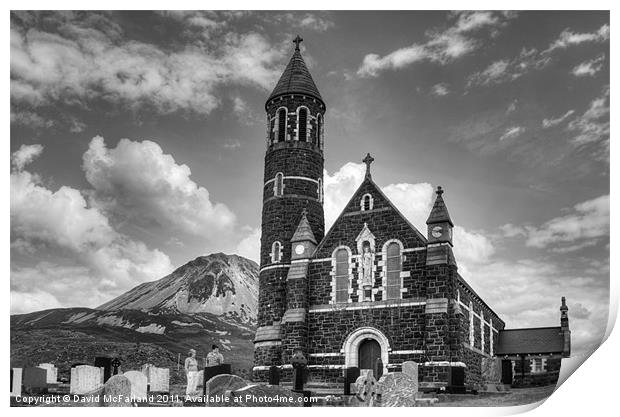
296,79
304,231
530,341
439,213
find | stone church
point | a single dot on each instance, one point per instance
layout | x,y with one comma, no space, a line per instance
373,290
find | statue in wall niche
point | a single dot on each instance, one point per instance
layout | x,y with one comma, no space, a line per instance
367,260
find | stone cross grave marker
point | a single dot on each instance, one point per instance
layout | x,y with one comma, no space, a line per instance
86,379
138,384
366,388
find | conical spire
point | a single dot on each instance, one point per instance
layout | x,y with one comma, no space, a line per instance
304,231
439,213
296,78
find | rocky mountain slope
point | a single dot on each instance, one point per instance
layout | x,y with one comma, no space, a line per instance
217,284
210,300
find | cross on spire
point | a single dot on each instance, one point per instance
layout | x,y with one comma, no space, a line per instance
297,41
368,160
439,190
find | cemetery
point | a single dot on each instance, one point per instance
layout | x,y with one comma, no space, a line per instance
108,385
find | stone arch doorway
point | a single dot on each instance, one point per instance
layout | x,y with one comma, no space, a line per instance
368,352
368,342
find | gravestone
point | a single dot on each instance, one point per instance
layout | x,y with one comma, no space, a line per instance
52,372
350,376
219,384
138,384
34,380
211,371
117,390
16,382
397,389
410,368
456,380
85,379
263,396
104,362
274,375
366,388
158,379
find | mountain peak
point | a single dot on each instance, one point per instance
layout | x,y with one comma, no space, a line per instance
216,283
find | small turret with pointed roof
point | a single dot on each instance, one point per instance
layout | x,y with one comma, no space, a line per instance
303,240
296,78
564,328
439,222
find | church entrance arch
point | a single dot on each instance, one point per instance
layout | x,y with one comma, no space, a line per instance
364,346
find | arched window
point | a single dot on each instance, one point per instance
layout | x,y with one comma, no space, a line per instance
278,185
281,134
319,191
276,252
342,275
393,269
271,133
302,124
319,129
366,203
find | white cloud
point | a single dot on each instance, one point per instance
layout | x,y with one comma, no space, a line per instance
104,262
506,70
232,144
512,132
528,293
593,124
25,155
78,63
339,188
440,46
588,220
589,68
30,119
471,248
546,123
249,246
568,38
413,200
140,183
440,90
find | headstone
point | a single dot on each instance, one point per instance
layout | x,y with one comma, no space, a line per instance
366,388
217,386
350,376
456,380
158,379
117,391
16,382
34,380
85,379
52,372
397,389
211,371
138,384
491,371
104,362
263,396
410,368
274,375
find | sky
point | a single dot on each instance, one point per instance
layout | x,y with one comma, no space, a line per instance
138,138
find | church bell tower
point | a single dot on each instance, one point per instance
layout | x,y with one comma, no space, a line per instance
292,186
